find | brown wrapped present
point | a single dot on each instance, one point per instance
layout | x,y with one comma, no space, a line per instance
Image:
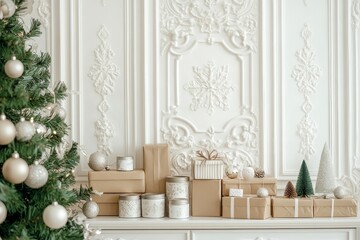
292,207
249,207
156,166
250,186
108,204
206,198
346,207
117,181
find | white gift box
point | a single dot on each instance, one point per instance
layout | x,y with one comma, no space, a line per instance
236,192
208,169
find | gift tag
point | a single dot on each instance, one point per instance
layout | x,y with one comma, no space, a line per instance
235,192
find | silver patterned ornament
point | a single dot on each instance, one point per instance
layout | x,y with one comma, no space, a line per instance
231,172
15,169
38,176
262,193
14,68
3,212
90,209
60,111
339,192
25,130
7,130
7,8
40,129
97,161
55,216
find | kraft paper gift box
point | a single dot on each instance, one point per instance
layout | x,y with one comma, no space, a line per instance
208,169
248,207
250,186
346,207
117,181
156,166
108,204
292,207
206,198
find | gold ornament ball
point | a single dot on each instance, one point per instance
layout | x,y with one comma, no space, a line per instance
231,172
339,192
38,176
248,173
3,212
7,131
262,193
15,169
25,130
14,68
55,216
7,7
97,161
90,209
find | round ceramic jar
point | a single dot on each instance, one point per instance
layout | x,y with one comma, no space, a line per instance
129,206
179,208
125,163
153,205
177,187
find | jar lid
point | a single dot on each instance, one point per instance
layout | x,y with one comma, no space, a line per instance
129,197
124,158
153,196
179,201
177,179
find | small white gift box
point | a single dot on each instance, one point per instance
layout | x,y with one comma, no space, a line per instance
208,169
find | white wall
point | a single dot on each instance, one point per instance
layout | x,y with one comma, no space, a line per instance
285,79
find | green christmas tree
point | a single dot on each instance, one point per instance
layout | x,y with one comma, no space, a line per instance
37,158
304,186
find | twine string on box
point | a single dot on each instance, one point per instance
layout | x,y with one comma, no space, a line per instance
208,155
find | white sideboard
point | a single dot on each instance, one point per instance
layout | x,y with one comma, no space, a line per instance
196,228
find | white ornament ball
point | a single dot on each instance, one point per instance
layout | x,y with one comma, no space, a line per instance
97,161
7,130
339,192
25,130
248,173
15,169
262,192
40,129
55,216
38,176
7,7
3,212
14,68
60,111
90,209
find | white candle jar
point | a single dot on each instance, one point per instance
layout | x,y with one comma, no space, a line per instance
124,163
153,205
177,187
129,206
179,208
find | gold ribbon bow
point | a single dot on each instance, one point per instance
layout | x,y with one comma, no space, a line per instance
206,156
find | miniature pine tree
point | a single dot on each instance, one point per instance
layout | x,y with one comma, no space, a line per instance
290,191
325,182
27,188
304,186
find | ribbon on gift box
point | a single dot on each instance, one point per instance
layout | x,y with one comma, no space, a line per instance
332,208
296,207
207,156
232,207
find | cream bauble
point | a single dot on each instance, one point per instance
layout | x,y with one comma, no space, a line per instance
55,216
248,173
3,212
14,68
97,161
339,192
7,7
60,111
15,169
38,176
262,193
7,131
25,130
90,209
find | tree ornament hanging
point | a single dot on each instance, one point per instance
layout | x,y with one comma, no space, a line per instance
248,173
7,7
40,129
290,191
97,161
15,169
60,111
90,209
55,216
25,130
38,176
3,212
14,68
259,173
7,130
304,186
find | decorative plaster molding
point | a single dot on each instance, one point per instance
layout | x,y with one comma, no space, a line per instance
210,88
356,14
306,73
28,7
44,12
103,73
237,140
180,21
352,183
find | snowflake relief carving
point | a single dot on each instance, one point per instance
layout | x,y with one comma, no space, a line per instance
356,14
210,88
306,74
103,73
44,12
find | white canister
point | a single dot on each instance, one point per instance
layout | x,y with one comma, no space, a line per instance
129,206
179,208
153,205
177,187
124,163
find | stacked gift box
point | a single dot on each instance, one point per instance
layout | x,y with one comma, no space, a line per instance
211,192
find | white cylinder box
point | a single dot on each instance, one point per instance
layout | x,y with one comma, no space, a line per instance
179,208
177,187
124,163
129,206
153,205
